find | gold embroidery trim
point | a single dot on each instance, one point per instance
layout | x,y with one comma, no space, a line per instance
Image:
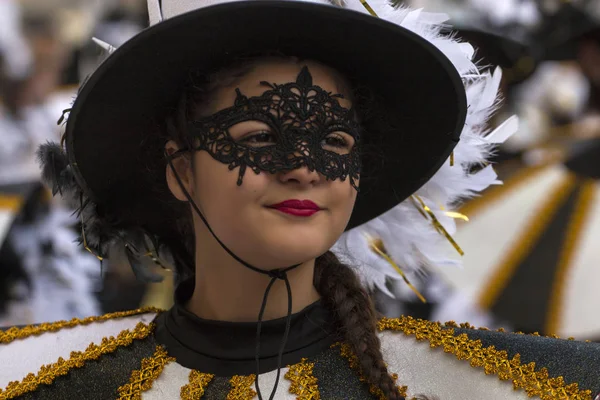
141,380
303,382
48,373
494,362
31,330
348,354
466,325
11,202
198,381
241,388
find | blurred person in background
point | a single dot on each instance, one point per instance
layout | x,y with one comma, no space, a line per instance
540,273
43,275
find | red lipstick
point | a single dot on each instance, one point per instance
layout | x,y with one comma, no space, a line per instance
300,208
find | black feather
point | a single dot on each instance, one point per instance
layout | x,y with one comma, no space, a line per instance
55,168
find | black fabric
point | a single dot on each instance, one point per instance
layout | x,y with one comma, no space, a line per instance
229,348
217,389
98,379
335,378
576,362
525,300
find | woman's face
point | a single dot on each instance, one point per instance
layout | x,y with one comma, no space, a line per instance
247,217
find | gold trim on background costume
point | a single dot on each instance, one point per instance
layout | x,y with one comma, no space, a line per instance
10,202
494,362
585,202
48,373
35,330
141,380
522,245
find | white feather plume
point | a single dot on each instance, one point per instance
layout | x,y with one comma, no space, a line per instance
410,238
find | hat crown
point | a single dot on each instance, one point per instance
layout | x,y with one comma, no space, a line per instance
159,10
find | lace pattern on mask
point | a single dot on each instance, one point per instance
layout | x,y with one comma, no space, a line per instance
300,115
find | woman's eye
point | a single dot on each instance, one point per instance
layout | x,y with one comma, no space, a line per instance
259,139
338,142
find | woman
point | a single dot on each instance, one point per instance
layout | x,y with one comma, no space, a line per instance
245,166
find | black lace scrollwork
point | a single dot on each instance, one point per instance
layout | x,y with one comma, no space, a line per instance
301,116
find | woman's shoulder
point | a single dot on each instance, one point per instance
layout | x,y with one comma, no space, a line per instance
487,361
33,354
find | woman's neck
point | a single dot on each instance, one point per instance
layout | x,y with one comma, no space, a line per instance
228,291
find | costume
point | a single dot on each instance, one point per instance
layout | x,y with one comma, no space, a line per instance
176,354
537,272
428,358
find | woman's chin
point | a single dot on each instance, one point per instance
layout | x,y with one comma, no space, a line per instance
283,254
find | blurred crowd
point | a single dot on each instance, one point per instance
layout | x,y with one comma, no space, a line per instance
532,253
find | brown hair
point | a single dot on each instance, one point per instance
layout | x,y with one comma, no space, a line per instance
337,283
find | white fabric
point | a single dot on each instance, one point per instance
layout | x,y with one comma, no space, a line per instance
424,370
175,376
433,373
171,8
267,382
25,356
169,383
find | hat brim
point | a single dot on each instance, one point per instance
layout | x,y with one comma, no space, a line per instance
421,109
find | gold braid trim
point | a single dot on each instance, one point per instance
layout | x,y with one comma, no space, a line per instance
304,383
241,388
35,330
347,353
535,383
466,325
48,373
141,380
198,381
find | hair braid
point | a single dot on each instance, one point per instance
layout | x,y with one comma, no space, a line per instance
342,293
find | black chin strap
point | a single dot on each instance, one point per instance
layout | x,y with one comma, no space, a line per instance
275,274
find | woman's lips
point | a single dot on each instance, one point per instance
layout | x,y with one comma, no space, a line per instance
300,208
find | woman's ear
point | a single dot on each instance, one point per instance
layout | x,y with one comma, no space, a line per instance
183,169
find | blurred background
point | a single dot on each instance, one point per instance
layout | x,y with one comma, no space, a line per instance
532,245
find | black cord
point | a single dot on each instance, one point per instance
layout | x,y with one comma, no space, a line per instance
273,274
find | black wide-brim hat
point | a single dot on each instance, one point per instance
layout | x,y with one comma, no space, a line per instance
411,133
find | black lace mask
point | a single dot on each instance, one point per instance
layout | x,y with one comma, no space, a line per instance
301,117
